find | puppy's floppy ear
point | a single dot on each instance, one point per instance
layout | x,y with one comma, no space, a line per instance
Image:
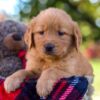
77,36
29,35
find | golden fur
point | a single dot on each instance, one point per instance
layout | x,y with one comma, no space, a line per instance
66,59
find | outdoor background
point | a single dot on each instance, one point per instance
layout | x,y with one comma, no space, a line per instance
85,12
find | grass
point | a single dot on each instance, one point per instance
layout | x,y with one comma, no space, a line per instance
96,66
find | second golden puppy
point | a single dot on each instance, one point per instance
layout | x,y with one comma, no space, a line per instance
53,41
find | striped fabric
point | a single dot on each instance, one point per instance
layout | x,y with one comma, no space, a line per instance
72,88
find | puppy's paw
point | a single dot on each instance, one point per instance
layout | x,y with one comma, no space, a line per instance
12,83
44,87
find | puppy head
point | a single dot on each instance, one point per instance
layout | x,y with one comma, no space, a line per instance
53,33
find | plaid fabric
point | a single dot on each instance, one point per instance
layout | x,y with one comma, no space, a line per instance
72,88
21,55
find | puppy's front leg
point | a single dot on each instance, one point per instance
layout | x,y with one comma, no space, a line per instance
14,81
47,80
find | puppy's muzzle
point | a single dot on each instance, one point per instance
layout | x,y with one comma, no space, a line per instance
49,48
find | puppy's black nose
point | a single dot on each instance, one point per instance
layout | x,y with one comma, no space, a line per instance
49,48
17,37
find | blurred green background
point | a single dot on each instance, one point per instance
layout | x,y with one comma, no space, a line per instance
85,12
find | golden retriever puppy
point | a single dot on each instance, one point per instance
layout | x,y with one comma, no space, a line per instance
53,41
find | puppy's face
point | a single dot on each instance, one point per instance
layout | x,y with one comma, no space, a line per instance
52,33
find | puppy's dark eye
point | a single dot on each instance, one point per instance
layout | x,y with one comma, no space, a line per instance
41,32
61,33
